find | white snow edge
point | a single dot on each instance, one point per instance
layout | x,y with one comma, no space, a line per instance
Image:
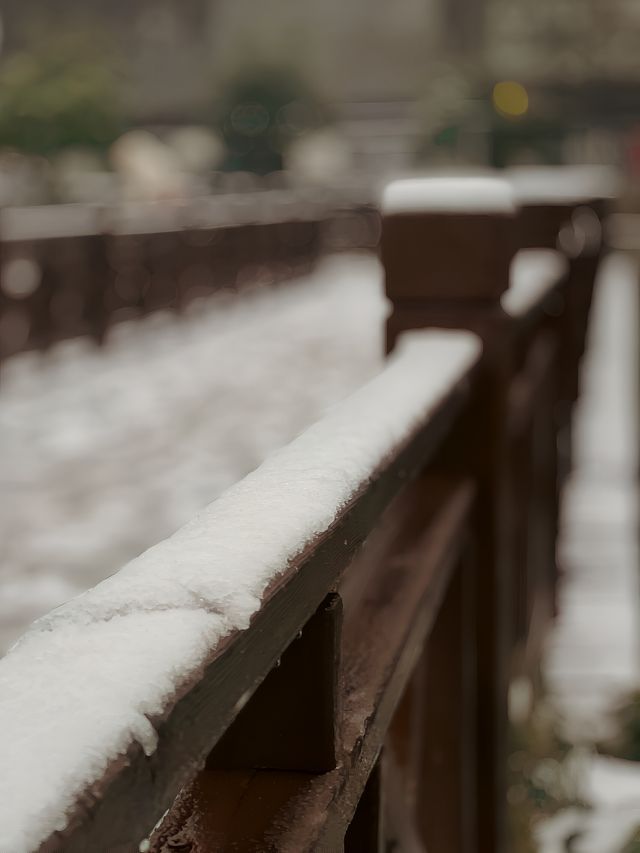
562,184
82,684
448,195
533,273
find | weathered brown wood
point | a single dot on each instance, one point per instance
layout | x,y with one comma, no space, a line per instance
540,223
574,227
480,447
133,795
442,815
383,638
444,255
365,833
210,816
403,753
447,808
118,267
298,737
290,723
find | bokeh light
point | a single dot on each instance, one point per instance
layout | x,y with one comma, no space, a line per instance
510,98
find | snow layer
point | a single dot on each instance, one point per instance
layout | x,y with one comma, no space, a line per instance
533,273
104,452
80,686
448,195
562,184
587,670
592,658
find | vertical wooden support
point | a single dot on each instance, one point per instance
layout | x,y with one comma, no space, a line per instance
447,253
366,830
549,218
285,735
402,765
291,721
565,212
447,814
545,510
99,276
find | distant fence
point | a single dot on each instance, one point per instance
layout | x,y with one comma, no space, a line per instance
76,270
321,660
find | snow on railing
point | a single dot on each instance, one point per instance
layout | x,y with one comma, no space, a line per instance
534,273
86,682
218,665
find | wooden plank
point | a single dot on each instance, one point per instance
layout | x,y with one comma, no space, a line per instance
290,723
447,808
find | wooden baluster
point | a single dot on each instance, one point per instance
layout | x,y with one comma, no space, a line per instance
447,814
446,249
563,209
404,746
286,734
291,721
559,210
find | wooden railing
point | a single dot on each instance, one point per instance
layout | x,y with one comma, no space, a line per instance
321,660
76,270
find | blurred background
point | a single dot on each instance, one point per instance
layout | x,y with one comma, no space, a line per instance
188,229
104,100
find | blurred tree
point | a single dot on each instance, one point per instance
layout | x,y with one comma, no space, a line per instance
63,92
261,112
529,140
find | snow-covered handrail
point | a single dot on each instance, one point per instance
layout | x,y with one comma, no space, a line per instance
93,697
264,630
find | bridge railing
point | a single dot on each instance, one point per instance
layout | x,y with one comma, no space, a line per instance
77,270
321,659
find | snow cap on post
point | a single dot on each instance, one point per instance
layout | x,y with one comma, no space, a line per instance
447,238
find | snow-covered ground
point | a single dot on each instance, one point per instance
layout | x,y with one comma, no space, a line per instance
593,657
105,452
594,654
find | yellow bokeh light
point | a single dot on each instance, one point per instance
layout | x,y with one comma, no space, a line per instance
510,98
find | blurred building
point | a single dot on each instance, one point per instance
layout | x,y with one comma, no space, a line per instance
394,72
173,50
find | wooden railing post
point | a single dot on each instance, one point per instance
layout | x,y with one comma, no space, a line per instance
448,817
564,209
447,246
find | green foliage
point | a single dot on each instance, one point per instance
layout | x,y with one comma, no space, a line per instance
261,113
539,139
61,93
633,844
545,773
